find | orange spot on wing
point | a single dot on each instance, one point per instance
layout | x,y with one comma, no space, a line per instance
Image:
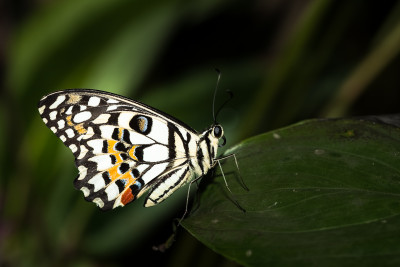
132,153
113,171
80,129
120,132
110,148
69,120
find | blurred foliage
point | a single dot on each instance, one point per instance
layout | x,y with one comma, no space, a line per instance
284,60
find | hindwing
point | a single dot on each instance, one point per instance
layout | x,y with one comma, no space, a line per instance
121,147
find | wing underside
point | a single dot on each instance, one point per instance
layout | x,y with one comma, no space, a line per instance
122,148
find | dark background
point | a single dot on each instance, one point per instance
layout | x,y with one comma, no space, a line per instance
285,61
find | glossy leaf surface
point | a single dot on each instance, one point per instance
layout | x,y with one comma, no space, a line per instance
321,192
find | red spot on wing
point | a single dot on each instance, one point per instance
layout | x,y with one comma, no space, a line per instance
127,196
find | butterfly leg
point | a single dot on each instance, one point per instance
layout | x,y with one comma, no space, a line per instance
226,183
237,166
187,199
223,176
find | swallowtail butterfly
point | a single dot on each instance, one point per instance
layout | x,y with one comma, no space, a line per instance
124,148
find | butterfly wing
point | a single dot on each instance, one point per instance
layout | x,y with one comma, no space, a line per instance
122,147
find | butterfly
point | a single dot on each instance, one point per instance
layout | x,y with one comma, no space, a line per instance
124,148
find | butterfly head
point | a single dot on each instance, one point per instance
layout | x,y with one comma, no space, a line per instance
209,142
217,132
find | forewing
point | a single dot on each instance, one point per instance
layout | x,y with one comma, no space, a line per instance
121,147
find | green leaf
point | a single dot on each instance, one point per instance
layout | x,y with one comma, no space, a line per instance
320,192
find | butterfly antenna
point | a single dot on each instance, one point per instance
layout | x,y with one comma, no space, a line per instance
215,94
187,199
226,102
215,114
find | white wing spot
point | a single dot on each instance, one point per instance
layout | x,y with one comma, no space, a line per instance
139,139
82,172
84,150
45,120
73,148
124,118
70,133
82,116
112,191
118,203
113,107
85,191
106,131
98,182
103,118
69,110
41,109
62,137
58,101
53,115
155,153
61,124
112,101
94,101
103,162
96,145
98,202
53,129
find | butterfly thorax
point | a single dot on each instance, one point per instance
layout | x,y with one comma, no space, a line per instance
207,148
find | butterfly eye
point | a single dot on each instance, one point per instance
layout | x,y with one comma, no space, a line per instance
217,131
